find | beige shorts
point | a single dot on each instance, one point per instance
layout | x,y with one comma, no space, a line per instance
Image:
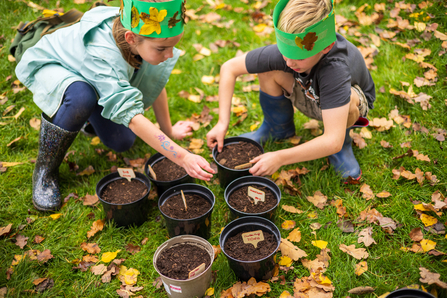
310,107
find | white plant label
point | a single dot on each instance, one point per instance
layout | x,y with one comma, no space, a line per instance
167,288
176,288
127,173
256,194
196,271
253,237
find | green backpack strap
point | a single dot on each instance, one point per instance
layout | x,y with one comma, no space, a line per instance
29,33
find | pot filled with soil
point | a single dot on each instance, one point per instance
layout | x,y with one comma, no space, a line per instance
250,243
124,201
187,210
167,173
409,293
252,196
234,160
184,264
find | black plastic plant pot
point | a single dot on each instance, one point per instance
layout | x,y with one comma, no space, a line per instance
162,186
257,181
227,175
260,269
199,226
124,215
409,293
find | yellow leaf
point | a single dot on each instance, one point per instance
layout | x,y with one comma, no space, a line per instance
321,279
361,268
109,256
208,80
420,207
17,259
209,292
288,224
285,261
427,245
95,141
176,71
195,98
129,277
295,235
285,294
419,26
96,227
319,243
313,215
10,164
197,57
259,28
55,216
428,220
384,295
253,127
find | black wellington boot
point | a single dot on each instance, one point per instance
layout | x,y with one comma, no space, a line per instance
53,144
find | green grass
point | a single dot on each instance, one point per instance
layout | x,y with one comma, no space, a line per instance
388,266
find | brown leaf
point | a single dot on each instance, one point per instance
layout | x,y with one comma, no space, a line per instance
99,269
91,248
90,258
385,144
291,209
361,268
314,266
367,192
21,241
133,249
38,239
44,256
383,194
358,140
45,285
157,283
290,250
294,235
89,200
365,236
416,234
358,253
38,280
96,227
318,199
431,278
88,171
5,230
345,225
361,290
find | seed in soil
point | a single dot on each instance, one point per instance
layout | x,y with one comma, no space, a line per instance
177,261
122,191
174,207
240,200
166,170
236,248
237,153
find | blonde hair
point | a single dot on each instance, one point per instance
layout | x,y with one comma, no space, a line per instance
301,14
118,32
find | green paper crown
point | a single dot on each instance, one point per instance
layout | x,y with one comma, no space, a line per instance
153,19
313,40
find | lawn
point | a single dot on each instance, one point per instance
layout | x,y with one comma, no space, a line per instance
408,64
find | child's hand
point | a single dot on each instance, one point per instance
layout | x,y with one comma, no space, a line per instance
193,164
265,164
182,129
216,136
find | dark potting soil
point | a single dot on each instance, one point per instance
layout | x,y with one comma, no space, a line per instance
176,262
236,248
166,170
174,207
240,200
238,153
122,191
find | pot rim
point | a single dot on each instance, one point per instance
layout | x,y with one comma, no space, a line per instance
226,197
234,222
196,239
142,177
188,219
410,290
232,140
158,157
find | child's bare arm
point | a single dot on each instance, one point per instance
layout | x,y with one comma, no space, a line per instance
229,71
154,137
327,144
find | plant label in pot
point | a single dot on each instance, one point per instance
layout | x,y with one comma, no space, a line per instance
234,160
124,199
187,210
184,264
164,173
252,196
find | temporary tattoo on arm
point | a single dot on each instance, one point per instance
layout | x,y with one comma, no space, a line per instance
166,144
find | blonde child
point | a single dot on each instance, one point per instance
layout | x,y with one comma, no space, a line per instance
107,69
313,69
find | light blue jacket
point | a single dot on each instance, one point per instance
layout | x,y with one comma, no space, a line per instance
86,51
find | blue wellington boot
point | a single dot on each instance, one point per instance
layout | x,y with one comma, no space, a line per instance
53,144
344,161
278,119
